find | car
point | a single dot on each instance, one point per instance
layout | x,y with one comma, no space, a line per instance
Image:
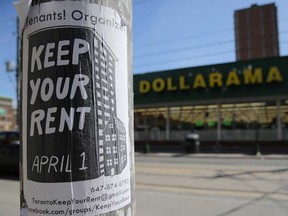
9,150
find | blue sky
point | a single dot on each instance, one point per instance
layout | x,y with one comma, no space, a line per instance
7,48
167,34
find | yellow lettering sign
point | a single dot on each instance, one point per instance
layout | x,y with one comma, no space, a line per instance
253,78
274,75
233,79
199,82
215,79
170,86
158,85
182,83
144,86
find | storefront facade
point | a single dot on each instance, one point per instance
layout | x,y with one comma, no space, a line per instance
241,101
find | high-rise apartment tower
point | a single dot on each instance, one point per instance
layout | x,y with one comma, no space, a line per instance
256,32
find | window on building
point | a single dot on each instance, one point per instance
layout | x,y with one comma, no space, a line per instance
115,151
243,118
112,171
107,137
114,137
109,162
108,150
116,161
123,147
123,159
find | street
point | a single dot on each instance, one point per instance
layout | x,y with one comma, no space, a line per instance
185,185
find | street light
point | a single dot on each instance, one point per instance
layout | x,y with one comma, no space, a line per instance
10,66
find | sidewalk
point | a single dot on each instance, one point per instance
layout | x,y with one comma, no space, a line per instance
213,155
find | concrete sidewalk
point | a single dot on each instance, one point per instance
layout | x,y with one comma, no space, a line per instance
213,155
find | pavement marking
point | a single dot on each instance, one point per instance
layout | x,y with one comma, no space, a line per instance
211,172
214,156
276,195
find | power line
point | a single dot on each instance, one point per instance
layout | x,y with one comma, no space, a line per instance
4,42
183,38
8,79
4,77
198,35
6,83
283,20
184,49
186,58
12,18
141,2
195,57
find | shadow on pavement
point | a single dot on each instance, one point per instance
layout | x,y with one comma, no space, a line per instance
262,197
8,175
249,173
179,155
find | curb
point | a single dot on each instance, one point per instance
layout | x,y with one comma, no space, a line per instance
220,156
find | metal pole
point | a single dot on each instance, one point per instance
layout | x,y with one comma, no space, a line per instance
77,108
147,136
219,122
168,127
279,121
17,73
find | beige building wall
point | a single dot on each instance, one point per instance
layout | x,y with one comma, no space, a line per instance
8,115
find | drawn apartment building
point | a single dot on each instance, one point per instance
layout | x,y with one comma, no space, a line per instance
111,133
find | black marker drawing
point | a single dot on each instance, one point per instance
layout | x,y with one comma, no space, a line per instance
74,132
111,131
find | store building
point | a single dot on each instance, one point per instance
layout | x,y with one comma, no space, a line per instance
244,101
8,115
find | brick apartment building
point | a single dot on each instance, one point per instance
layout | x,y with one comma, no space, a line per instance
256,32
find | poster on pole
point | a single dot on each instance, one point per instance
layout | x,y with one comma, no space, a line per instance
75,110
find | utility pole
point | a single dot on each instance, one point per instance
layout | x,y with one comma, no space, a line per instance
11,67
77,108
17,61
18,72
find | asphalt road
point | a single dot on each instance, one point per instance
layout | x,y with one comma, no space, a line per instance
179,185
235,186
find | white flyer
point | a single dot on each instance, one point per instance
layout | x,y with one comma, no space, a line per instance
75,110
